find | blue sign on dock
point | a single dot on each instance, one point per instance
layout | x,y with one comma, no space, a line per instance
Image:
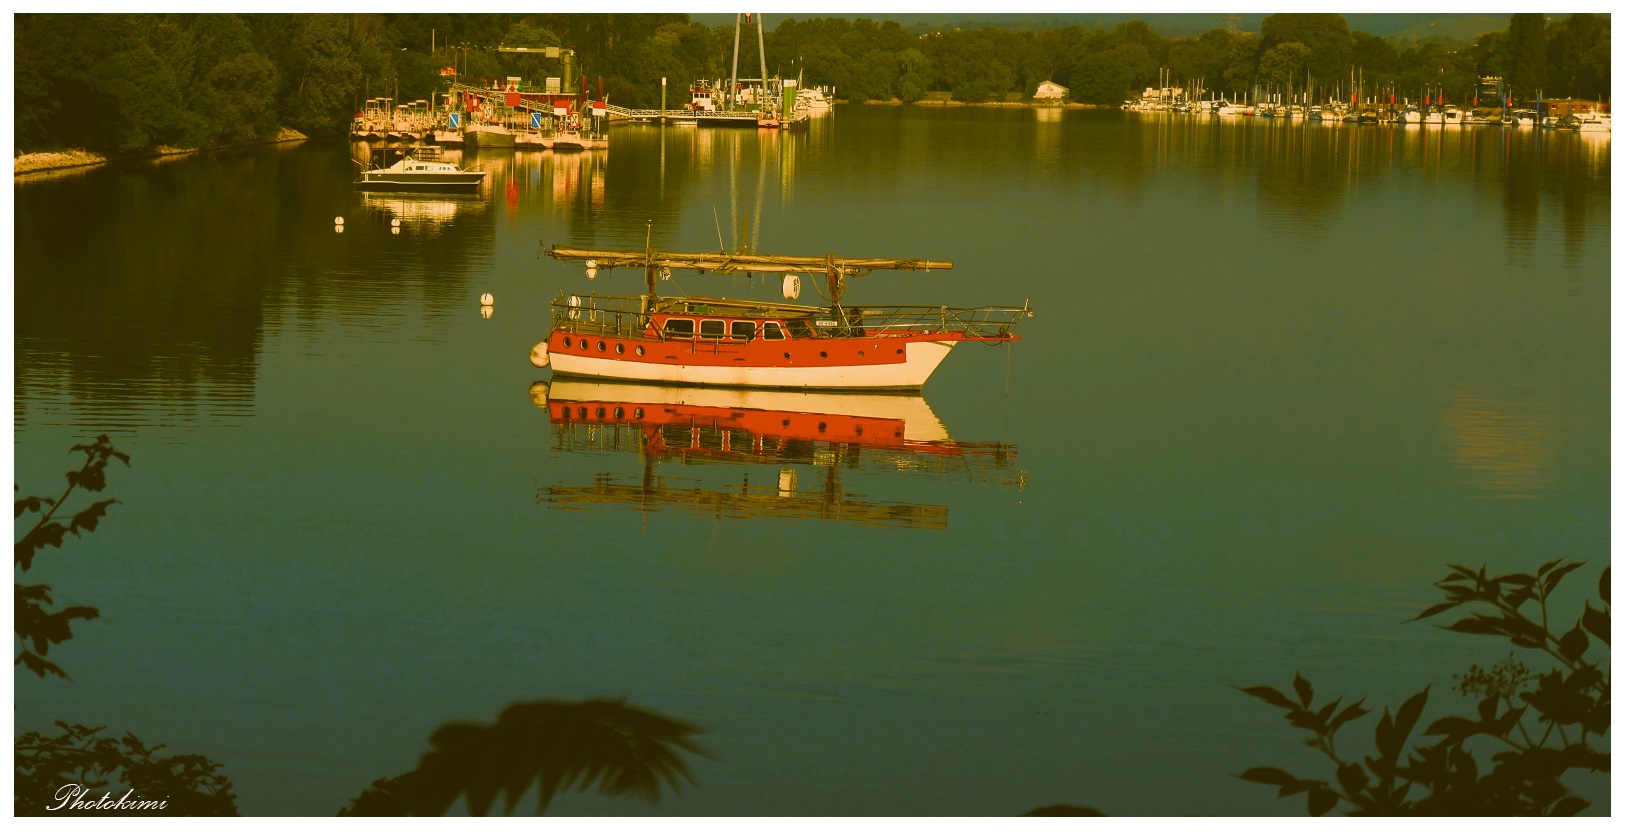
536,121
452,120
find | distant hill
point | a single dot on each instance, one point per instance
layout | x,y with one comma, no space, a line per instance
1403,26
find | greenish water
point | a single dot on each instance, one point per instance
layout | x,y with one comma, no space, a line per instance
1278,377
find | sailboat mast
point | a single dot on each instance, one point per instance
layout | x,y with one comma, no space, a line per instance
762,55
734,74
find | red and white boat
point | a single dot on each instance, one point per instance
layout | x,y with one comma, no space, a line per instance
746,343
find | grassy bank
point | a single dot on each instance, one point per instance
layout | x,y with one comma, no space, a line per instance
78,158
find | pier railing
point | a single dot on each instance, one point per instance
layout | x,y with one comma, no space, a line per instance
624,317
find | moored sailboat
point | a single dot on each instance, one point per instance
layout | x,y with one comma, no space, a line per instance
751,343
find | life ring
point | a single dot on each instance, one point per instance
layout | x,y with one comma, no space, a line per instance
575,121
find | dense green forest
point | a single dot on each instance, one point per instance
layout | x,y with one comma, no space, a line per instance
123,82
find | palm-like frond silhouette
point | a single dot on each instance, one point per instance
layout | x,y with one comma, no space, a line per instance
560,746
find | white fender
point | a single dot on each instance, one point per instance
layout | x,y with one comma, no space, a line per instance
793,286
539,354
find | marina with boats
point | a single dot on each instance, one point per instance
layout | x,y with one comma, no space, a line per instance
558,113
1387,105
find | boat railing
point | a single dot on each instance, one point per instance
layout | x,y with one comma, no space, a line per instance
625,317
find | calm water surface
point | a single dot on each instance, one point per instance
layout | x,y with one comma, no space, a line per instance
1278,377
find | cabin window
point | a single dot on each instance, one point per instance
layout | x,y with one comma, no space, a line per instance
772,332
742,330
712,329
679,328
800,329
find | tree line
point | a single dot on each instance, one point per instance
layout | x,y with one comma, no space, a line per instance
125,82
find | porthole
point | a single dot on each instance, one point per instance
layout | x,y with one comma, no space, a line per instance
639,350
784,423
823,354
567,342
860,353
601,346
821,427
787,355
585,345
638,412
620,348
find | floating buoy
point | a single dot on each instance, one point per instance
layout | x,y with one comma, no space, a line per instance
487,300
592,269
338,220
793,286
539,355
395,223
338,229
395,230
485,311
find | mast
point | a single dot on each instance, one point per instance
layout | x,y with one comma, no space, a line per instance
734,75
836,269
762,55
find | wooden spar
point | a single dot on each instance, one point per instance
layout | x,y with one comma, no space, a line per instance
836,269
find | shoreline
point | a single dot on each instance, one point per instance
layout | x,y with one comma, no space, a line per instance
1034,105
58,160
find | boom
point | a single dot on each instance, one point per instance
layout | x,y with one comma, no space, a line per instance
836,269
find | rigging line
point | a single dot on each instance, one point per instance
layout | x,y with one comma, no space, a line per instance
714,218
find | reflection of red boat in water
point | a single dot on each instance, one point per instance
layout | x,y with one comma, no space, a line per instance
834,433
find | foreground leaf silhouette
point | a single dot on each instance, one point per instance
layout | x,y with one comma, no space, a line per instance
559,746
1540,724
187,784
37,626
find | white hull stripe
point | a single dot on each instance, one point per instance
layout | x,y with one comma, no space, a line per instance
920,359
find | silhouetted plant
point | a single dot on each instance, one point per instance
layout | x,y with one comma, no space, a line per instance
51,767
36,624
1444,778
187,784
559,746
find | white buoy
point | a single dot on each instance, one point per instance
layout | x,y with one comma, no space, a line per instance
485,311
395,223
338,229
395,230
487,300
338,220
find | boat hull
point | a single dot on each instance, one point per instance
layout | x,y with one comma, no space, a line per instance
921,358
462,181
476,137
